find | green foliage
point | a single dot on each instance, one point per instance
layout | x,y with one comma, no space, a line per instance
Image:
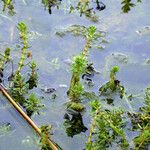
32,104
4,59
33,79
9,5
91,32
79,64
141,122
75,106
84,8
127,5
48,4
45,130
78,67
106,127
143,140
23,30
112,85
19,88
146,108
7,54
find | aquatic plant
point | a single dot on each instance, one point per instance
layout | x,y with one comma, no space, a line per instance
127,5
19,88
32,104
9,5
99,37
84,8
23,31
78,68
141,123
19,84
48,4
33,77
45,130
106,128
4,59
112,85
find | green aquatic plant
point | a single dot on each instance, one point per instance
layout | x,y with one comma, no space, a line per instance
19,84
106,128
127,5
84,8
112,85
45,130
33,77
9,5
78,68
141,122
143,140
19,88
90,36
98,40
48,4
75,106
23,31
32,104
4,59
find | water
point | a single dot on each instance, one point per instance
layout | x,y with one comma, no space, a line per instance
50,52
17,134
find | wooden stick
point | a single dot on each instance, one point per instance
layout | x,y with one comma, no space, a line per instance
26,117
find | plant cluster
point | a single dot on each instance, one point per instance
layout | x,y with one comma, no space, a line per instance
78,67
112,85
45,130
4,59
84,8
99,37
127,5
141,123
19,84
106,127
8,4
48,4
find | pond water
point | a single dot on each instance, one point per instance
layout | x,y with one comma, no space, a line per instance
15,133
127,38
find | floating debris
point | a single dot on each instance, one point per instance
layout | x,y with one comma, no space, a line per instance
48,90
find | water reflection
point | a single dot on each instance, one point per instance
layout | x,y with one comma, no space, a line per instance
74,123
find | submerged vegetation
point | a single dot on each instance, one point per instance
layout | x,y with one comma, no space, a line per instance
19,84
107,125
112,85
8,4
